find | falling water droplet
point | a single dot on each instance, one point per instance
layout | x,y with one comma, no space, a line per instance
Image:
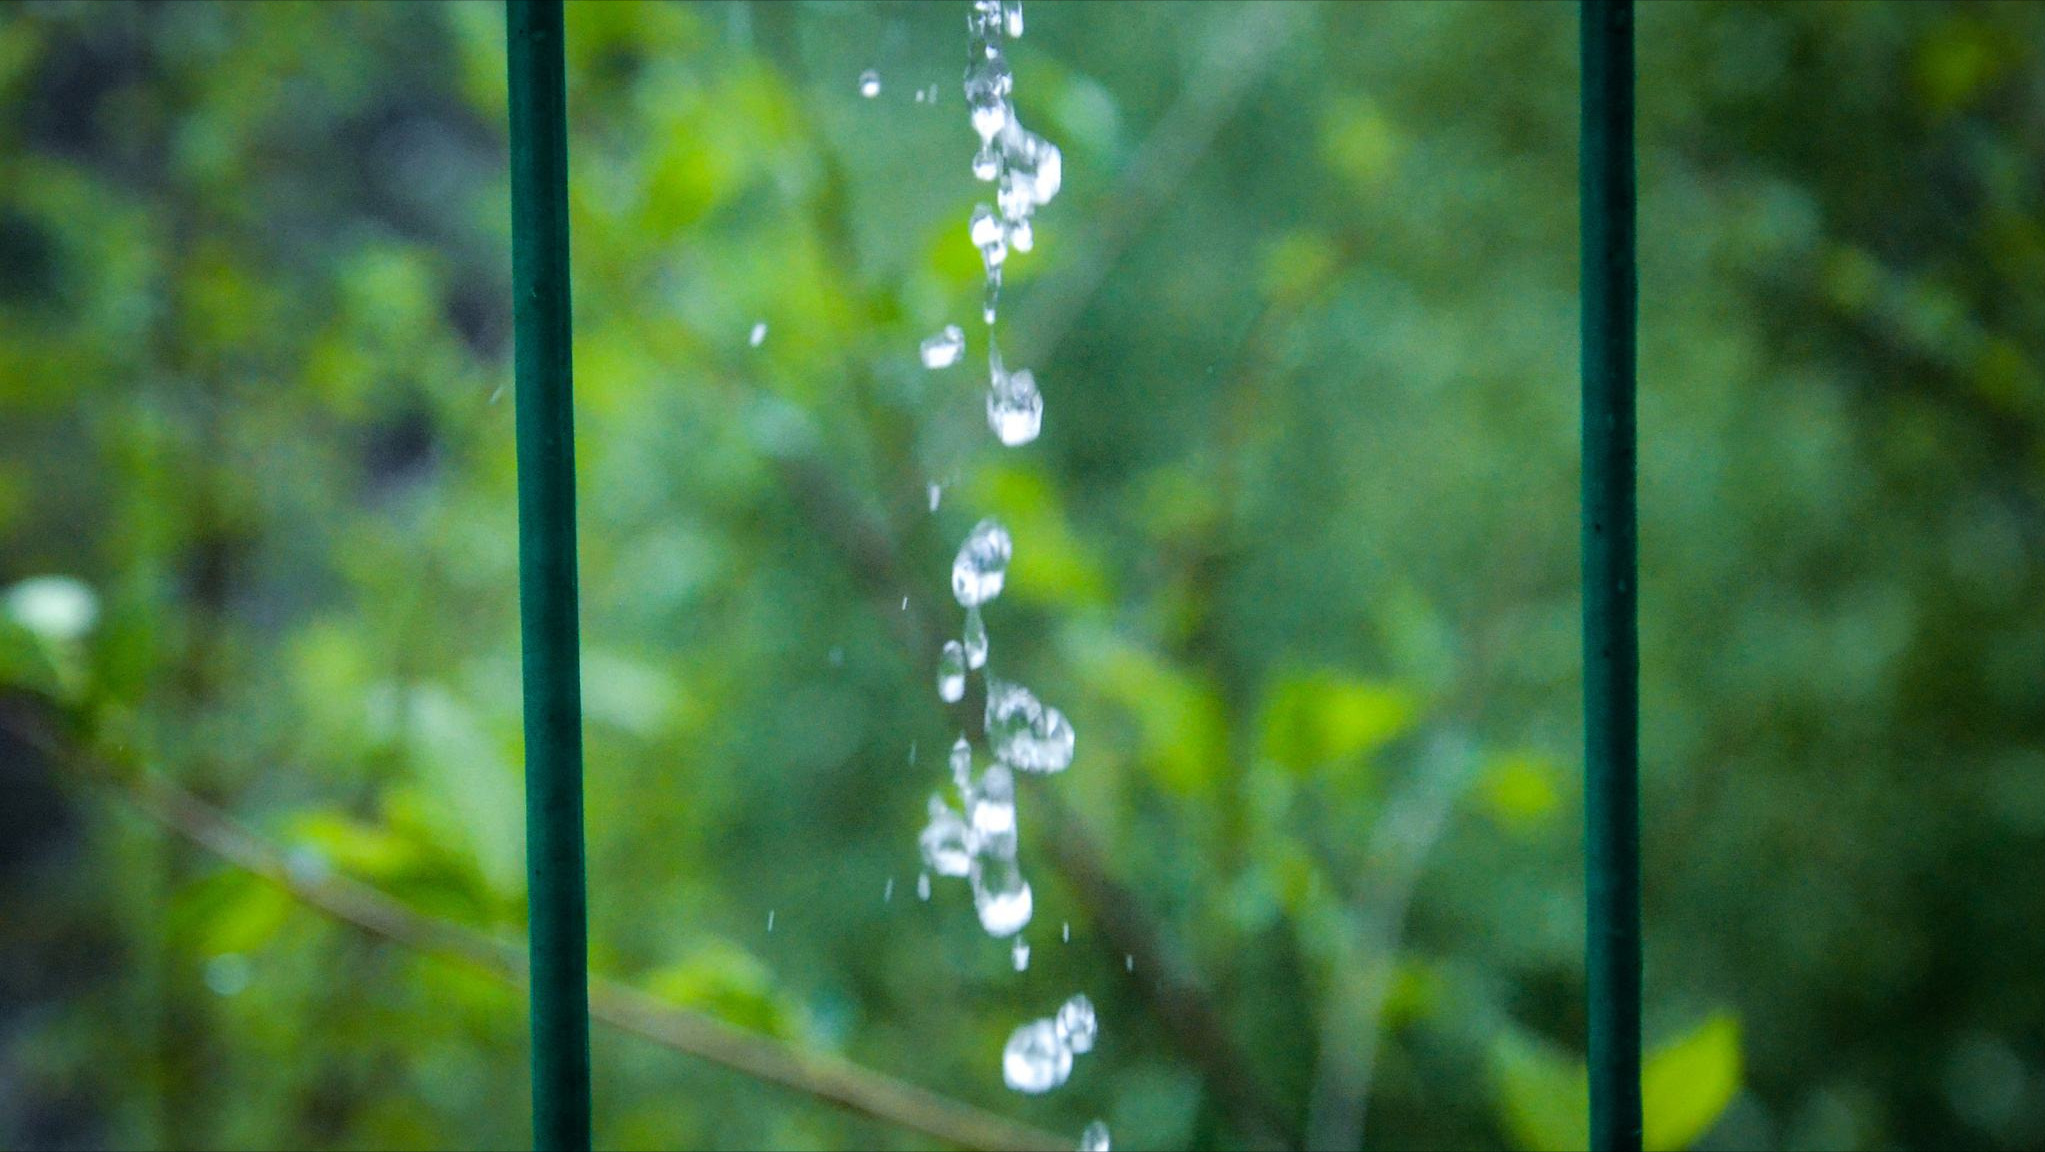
1015,409
1076,1024
981,566
912,752
946,842
837,657
1001,896
975,638
993,813
1065,932
1095,1138
905,603
1034,1061
936,495
1020,954
1129,963
1011,15
770,919
962,766
986,163
923,886
758,335
869,83
887,894
944,349
951,672
1024,732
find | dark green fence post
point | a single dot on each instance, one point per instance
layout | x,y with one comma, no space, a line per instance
1610,632
546,575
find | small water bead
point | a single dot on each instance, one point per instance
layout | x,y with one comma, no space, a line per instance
887,894
1033,1060
936,496
923,886
986,164
989,235
993,813
944,349
1065,932
869,83
1024,732
1020,954
946,842
1015,409
975,638
962,767
981,567
1001,896
758,336
1076,1024
1022,236
1011,15
1095,1138
951,672
770,919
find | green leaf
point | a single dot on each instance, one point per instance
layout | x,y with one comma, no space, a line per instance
1542,1092
1687,1083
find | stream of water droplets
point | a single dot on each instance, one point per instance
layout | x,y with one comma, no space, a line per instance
978,839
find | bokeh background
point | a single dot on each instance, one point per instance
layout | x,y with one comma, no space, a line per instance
1296,552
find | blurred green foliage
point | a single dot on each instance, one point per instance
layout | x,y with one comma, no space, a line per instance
1296,552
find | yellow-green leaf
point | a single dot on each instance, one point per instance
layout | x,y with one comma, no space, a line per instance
1687,1084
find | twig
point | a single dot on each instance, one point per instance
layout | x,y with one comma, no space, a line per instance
825,1077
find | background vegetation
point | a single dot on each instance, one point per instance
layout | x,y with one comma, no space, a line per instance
1296,552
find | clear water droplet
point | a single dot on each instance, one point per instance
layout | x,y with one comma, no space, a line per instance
981,567
1024,732
1020,954
1095,1138
869,83
974,639
770,919
990,236
946,842
758,336
951,672
936,496
923,886
1129,963
1065,932
1033,1060
912,752
993,813
1076,1024
962,766
1015,409
1011,16
887,894
944,349
986,164
1001,895
836,656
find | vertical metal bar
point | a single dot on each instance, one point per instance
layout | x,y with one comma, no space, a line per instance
1610,624
555,895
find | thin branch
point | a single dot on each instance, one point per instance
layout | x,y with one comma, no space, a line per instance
825,1077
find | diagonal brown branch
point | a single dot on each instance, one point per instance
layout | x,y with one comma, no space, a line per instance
825,1077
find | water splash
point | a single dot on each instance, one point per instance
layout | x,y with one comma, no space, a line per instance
974,638
1095,1138
981,567
946,842
1001,896
1015,409
951,672
944,349
1034,1061
1076,1024
1024,732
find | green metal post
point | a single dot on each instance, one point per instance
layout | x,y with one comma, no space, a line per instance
556,901
1611,650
